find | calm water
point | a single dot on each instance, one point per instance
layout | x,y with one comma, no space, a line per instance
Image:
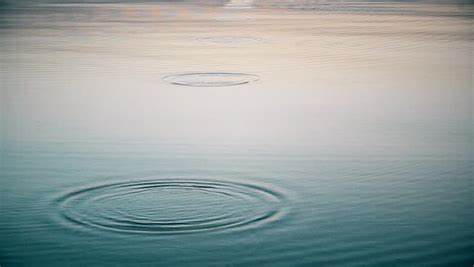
241,133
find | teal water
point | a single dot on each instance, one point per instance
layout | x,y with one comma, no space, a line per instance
240,133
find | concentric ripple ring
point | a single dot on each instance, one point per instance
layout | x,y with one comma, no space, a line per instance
210,79
229,40
175,206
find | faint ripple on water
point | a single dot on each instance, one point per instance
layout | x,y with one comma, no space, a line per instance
229,40
211,79
171,206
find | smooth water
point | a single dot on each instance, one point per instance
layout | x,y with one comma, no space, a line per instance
240,133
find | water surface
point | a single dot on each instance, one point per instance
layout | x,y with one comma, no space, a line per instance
344,140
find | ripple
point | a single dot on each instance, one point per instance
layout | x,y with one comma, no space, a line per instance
211,79
230,40
171,206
